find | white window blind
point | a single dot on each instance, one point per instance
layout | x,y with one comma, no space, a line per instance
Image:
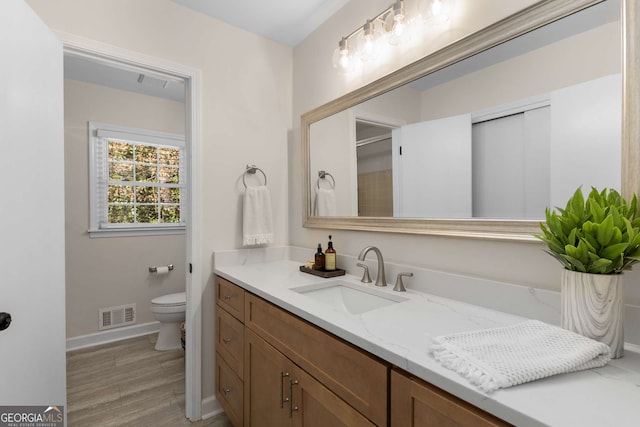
137,180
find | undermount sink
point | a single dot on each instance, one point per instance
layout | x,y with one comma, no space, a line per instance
348,297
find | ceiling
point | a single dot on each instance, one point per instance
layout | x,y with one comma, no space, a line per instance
285,21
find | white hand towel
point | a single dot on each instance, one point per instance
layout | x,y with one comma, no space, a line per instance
504,357
257,224
325,202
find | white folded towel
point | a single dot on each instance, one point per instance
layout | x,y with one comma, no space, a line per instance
257,225
507,356
325,202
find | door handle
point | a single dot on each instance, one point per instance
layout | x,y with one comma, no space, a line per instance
292,408
283,398
5,320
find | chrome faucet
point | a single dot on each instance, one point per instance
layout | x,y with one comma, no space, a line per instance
381,280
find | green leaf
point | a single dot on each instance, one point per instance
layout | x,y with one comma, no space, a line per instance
582,252
556,227
576,203
631,232
605,231
617,218
558,257
617,236
614,251
590,246
598,266
596,211
576,265
633,208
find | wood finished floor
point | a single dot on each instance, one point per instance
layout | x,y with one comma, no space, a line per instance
128,383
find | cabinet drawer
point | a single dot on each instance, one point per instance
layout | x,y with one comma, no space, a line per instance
230,297
357,378
230,339
229,391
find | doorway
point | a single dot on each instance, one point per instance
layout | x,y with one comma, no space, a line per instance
374,166
157,70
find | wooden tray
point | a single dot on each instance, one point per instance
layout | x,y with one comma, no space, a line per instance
323,273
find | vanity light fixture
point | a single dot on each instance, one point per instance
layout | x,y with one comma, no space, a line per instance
394,26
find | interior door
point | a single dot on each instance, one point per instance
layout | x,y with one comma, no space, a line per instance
432,169
32,259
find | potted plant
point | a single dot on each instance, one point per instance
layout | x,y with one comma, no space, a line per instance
595,240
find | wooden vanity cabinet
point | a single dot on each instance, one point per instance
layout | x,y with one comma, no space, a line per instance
356,377
279,393
415,402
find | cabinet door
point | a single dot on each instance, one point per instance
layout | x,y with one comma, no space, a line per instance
417,403
267,373
313,405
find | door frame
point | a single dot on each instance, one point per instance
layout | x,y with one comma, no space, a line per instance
194,280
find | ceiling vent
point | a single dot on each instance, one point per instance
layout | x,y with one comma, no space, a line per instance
145,80
114,317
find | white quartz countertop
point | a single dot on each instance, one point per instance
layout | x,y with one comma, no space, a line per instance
402,333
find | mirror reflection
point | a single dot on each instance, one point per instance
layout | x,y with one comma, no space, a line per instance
500,135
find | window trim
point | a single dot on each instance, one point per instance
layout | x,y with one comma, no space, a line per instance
97,131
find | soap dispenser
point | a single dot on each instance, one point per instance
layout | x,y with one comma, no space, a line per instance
330,257
319,259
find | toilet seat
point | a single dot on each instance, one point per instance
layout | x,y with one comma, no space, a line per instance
170,300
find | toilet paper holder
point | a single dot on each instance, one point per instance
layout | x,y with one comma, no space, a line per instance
154,269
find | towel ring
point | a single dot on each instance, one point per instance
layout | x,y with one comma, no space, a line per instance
323,175
251,169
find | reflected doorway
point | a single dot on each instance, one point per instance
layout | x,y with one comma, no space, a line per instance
374,168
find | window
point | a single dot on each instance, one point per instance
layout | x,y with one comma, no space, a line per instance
137,181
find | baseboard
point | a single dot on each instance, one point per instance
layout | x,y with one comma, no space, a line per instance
210,407
112,335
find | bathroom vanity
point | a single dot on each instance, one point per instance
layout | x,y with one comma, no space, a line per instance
286,357
273,368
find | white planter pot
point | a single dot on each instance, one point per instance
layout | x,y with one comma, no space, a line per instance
592,305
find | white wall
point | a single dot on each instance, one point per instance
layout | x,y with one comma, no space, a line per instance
246,110
583,57
315,83
586,132
105,272
334,152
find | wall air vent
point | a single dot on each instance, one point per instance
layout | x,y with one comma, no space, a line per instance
114,317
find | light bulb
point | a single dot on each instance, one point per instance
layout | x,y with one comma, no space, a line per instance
436,7
440,9
398,32
341,59
368,42
399,28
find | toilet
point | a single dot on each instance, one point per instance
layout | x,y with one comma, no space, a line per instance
169,310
